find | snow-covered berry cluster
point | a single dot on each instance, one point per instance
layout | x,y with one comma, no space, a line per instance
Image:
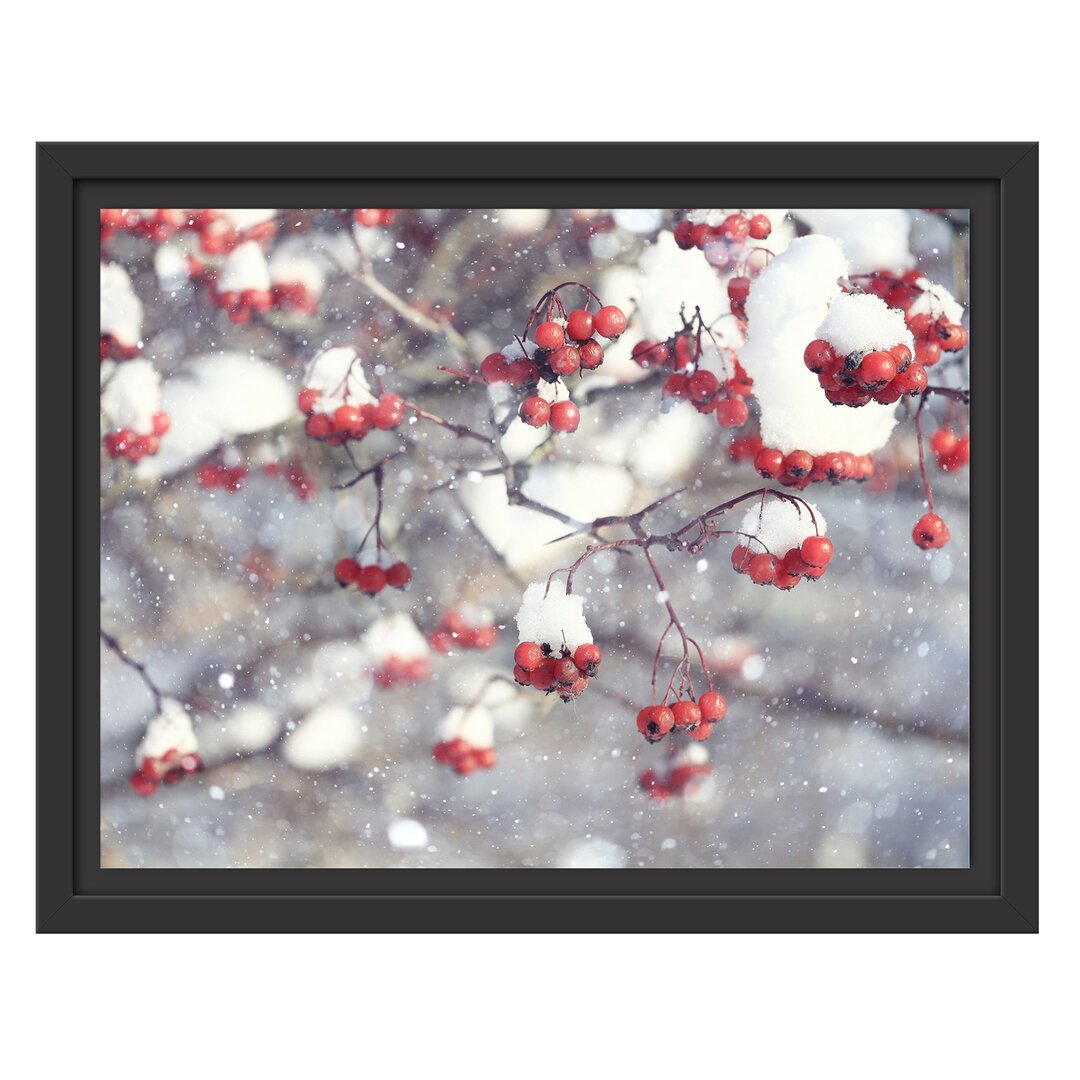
297,278
864,352
951,450
167,751
242,286
720,234
467,740
372,571
783,542
216,475
696,718
338,401
681,777
556,653
131,405
121,314
933,314
469,626
715,382
222,231
399,652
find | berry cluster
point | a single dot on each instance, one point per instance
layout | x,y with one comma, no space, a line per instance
708,377
129,444
880,375
800,468
213,475
951,450
562,672
809,560
681,778
370,577
707,231
463,758
932,315
112,348
346,421
222,231
169,768
470,627
930,532
696,718
396,669
371,218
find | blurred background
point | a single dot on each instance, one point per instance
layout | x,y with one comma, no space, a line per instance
845,743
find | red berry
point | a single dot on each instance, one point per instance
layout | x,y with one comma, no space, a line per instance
485,757
550,335
732,412
877,370
565,361
740,558
655,721
785,580
494,368
713,706
522,373
888,395
535,411
735,227
762,569
683,231
819,356
902,356
703,386
318,425
687,715
760,227
398,575
677,386
738,289
930,532
927,353
162,422
816,551
592,355
566,671
769,462
798,463
920,326
950,336
565,416
543,675
389,412
521,675
913,380
579,325
371,579
609,322
588,657
943,441
347,571
528,655
142,784
702,731
347,419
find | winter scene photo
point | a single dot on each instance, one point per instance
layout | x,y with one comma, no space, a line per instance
553,538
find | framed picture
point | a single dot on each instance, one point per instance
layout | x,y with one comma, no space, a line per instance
459,568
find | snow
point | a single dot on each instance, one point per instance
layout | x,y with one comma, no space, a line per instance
247,729
788,302
214,399
328,737
473,723
521,221
338,374
670,279
131,395
245,267
395,635
871,239
859,322
406,834
292,263
121,309
692,753
247,219
555,619
171,266
936,300
639,221
171,729
781,525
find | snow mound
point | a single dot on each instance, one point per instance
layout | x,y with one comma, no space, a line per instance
788,302
638,221
871,239
475,724
859,322
249,728
555,619
121,309
328,737
338,375
293,263
132,395
671,279
395,635
246,219
171,729
244,268
781,525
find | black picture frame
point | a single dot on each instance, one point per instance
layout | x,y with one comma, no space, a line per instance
999,892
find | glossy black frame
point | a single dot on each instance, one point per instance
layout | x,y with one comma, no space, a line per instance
999,891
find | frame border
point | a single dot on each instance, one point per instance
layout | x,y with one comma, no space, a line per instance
999,893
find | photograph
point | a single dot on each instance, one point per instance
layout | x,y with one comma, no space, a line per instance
554,538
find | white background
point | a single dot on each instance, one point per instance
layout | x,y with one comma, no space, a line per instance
760,1006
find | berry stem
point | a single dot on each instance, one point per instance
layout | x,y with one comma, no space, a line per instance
115,647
